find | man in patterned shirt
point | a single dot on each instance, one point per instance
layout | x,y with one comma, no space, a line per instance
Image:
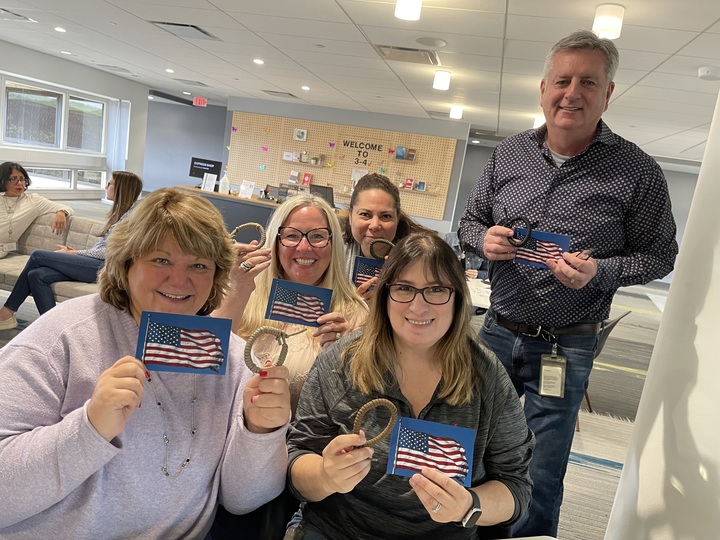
572,176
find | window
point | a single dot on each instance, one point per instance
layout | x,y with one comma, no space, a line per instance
33,115
85,124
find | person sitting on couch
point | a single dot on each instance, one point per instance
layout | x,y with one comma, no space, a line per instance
44,268
19,209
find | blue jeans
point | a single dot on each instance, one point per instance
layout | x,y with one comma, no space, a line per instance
45,268
551,419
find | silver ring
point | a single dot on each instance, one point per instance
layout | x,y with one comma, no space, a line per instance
338,335
245,266
572,281
437,508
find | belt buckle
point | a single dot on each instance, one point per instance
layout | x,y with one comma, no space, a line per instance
536,334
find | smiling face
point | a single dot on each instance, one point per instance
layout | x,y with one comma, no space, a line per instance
304,263
13,188
169,281
373,216
575,94
417,325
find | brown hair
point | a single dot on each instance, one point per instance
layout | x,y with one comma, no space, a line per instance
372,356
128,187
189,219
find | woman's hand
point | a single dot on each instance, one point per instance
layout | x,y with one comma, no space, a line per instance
365,291
250,262
266,399
65,249
60,222
118,392
445,500
496,246
332,327
344,465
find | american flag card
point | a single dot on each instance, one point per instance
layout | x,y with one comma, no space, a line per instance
541,246
297,303
366,268
418,443
183,343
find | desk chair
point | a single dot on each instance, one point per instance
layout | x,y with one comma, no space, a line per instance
608,326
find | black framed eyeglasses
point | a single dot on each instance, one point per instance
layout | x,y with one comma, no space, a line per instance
291,237
436,295
17,179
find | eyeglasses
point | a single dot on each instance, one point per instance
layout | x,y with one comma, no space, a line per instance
291,237
17,179
436,295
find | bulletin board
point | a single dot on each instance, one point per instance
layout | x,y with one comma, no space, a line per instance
269,149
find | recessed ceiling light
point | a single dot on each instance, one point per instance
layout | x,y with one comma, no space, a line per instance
170,70
65,52
151,97
186,93
259,62
60,29
475,141
305,87
456,112
432,42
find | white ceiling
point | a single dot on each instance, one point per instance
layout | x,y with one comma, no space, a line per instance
495,50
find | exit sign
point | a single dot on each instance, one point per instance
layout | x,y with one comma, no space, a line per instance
199,102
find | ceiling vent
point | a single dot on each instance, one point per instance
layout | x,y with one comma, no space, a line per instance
276,93
169,98
439,115
404,54
116,69
190,82
184,31
6,15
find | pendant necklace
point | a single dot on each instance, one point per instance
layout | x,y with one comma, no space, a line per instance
10,211
166,440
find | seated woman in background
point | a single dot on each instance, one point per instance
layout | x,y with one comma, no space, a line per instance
44,268
77,452
19,209
374,213
416,349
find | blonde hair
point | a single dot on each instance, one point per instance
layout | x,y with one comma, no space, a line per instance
345,298
189,219
372,356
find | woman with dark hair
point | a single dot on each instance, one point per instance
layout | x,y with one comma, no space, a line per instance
79,456
374,213
19,209
418,350
44,268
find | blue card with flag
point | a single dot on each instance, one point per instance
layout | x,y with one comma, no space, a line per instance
183,343
366,268
541,246
297,303
415,444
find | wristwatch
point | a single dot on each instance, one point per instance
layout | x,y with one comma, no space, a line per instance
474,513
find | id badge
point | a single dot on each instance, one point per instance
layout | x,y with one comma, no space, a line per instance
12,246
552,374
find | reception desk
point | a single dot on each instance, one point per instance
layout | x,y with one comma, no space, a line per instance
236,211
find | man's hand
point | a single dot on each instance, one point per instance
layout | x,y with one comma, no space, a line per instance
496,246
574,270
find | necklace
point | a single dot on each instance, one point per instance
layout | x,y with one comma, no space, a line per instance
10,211
166,440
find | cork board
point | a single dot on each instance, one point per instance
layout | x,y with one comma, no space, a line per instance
267,149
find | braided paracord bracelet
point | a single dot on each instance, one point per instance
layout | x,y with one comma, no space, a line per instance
379,241
281,338
256,226
518,242
374,404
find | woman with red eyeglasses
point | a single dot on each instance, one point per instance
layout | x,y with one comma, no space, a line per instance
19,209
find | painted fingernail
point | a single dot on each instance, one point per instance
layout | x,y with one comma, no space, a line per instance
147,375
263,373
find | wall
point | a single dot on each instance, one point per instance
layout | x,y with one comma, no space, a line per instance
51,69
175,134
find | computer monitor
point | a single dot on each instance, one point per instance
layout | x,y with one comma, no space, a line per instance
326,192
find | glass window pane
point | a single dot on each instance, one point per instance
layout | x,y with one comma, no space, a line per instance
49,178
32,115
90,179
85,124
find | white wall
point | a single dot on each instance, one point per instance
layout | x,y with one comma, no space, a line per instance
51,69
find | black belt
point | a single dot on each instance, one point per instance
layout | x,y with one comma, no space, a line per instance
535,330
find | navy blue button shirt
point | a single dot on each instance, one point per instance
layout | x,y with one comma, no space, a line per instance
611,197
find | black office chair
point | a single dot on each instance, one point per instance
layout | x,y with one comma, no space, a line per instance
608,326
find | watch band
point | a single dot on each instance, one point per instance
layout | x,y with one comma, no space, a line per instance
474,513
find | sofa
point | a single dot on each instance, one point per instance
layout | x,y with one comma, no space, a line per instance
81,233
